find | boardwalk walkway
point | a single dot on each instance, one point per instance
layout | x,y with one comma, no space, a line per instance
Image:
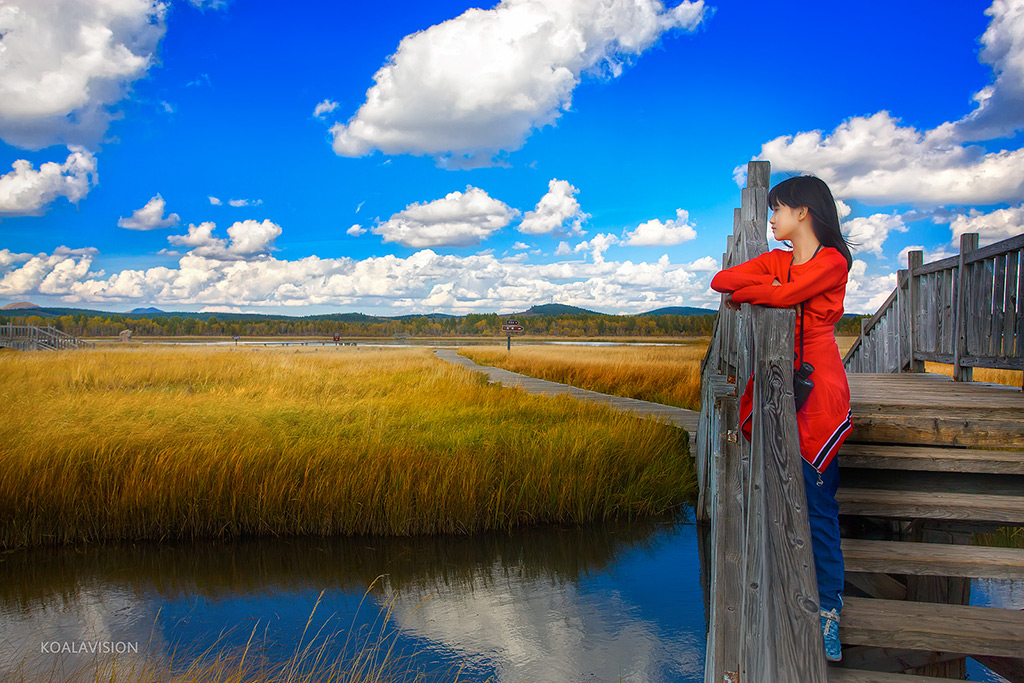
680,417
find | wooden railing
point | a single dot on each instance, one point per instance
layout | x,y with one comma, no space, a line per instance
934,314
33,338
763,622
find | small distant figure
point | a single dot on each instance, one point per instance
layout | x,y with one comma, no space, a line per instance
236,340
337,338
125,336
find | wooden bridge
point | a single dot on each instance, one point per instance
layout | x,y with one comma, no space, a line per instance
931,462
35,338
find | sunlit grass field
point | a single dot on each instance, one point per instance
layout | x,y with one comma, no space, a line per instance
180,442
662,374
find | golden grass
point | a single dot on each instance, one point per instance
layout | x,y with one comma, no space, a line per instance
197,442
662,374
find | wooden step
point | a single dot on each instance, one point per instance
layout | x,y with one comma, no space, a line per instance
933,559
974,428
901,504
874,456
932,626
838,675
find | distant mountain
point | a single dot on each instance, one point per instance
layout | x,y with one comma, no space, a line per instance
139,311
556,309
18,306
681,310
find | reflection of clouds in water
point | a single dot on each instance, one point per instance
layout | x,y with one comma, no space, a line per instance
95,616
1007,593
536,631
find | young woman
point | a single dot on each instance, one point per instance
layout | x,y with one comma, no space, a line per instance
812,277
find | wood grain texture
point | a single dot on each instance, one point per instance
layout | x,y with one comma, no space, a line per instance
931,505
932,626
933,559
935,459
837,675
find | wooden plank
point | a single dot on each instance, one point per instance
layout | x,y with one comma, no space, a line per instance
994,362
936,266
914,303
930,505
933,559
932,626
727,546
875,456
1003,246
948,430
1019,336
968,243
838,675
891,659
1010,305
782,581
995,347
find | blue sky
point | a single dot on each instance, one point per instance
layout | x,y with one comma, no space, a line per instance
453,157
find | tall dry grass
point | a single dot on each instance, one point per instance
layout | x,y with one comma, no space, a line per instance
662,374
197,442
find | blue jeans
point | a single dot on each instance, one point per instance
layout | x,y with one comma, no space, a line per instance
823,512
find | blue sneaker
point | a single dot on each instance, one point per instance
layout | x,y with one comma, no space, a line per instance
830,634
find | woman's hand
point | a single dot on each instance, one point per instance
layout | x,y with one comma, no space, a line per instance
728,302
776,283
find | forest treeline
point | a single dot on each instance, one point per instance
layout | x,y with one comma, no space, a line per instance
472,325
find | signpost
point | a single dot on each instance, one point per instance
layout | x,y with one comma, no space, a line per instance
509,327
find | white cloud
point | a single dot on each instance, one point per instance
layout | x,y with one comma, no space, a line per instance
864,292
563,249
356,230
208,4
26,191
656,233
8,257
1000,105
237,203
478,84
869,233
843,209
220,309
991,227
246,240
323,108
215,201
597,245
150,217
520,245
65,63
705,264
553,210
55,273
460,219
877,160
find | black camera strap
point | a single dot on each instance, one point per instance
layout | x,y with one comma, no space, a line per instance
789,275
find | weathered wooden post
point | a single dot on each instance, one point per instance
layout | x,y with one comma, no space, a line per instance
915,259
965,303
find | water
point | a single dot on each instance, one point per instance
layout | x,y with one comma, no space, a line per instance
597,603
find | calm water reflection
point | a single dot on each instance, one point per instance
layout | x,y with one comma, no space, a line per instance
553,604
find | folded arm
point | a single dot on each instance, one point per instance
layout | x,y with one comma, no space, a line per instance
756,271
809,283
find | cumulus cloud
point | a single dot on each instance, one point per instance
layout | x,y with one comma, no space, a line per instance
563,249
65,63
869,233
518,246
991,227
215,201
356,230
928,256
476,85
150,217
54,273
246,240
26,191
460,219
556,208
324,108
878,160
654,233
597,245
1000,105
238,203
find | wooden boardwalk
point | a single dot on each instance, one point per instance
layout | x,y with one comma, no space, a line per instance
931,462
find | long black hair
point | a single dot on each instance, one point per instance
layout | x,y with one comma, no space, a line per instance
812,192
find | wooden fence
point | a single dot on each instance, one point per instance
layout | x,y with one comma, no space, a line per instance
935,314
35,338
763,622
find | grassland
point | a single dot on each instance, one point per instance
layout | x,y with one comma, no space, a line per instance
662,374
186,442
